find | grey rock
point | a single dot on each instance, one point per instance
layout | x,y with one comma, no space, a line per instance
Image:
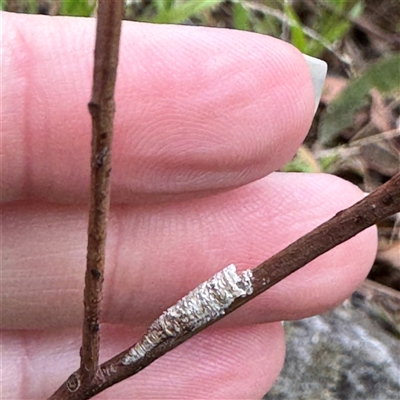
344,354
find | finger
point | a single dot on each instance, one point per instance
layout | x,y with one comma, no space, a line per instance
216,364
198,109
157,254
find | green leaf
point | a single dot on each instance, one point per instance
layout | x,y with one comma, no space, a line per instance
328,161
303,161
383,75
181,12
357,10
240,17
338,4
77,8
29,6
163,5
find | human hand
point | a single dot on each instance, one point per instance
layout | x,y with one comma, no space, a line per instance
203,118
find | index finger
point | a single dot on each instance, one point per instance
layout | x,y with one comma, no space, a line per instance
198,109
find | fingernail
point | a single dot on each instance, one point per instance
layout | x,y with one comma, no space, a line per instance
318,70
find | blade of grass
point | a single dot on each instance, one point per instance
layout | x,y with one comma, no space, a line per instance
383,75
298,38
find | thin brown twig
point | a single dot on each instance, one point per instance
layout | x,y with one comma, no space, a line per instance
159,339
102,110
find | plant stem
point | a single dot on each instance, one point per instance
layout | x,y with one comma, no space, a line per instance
380,204
102,110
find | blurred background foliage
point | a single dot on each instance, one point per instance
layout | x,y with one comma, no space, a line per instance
355,133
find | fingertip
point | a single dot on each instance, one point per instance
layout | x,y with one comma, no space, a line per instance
332,277
234,363
197,109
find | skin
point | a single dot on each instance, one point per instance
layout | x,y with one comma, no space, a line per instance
203,118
